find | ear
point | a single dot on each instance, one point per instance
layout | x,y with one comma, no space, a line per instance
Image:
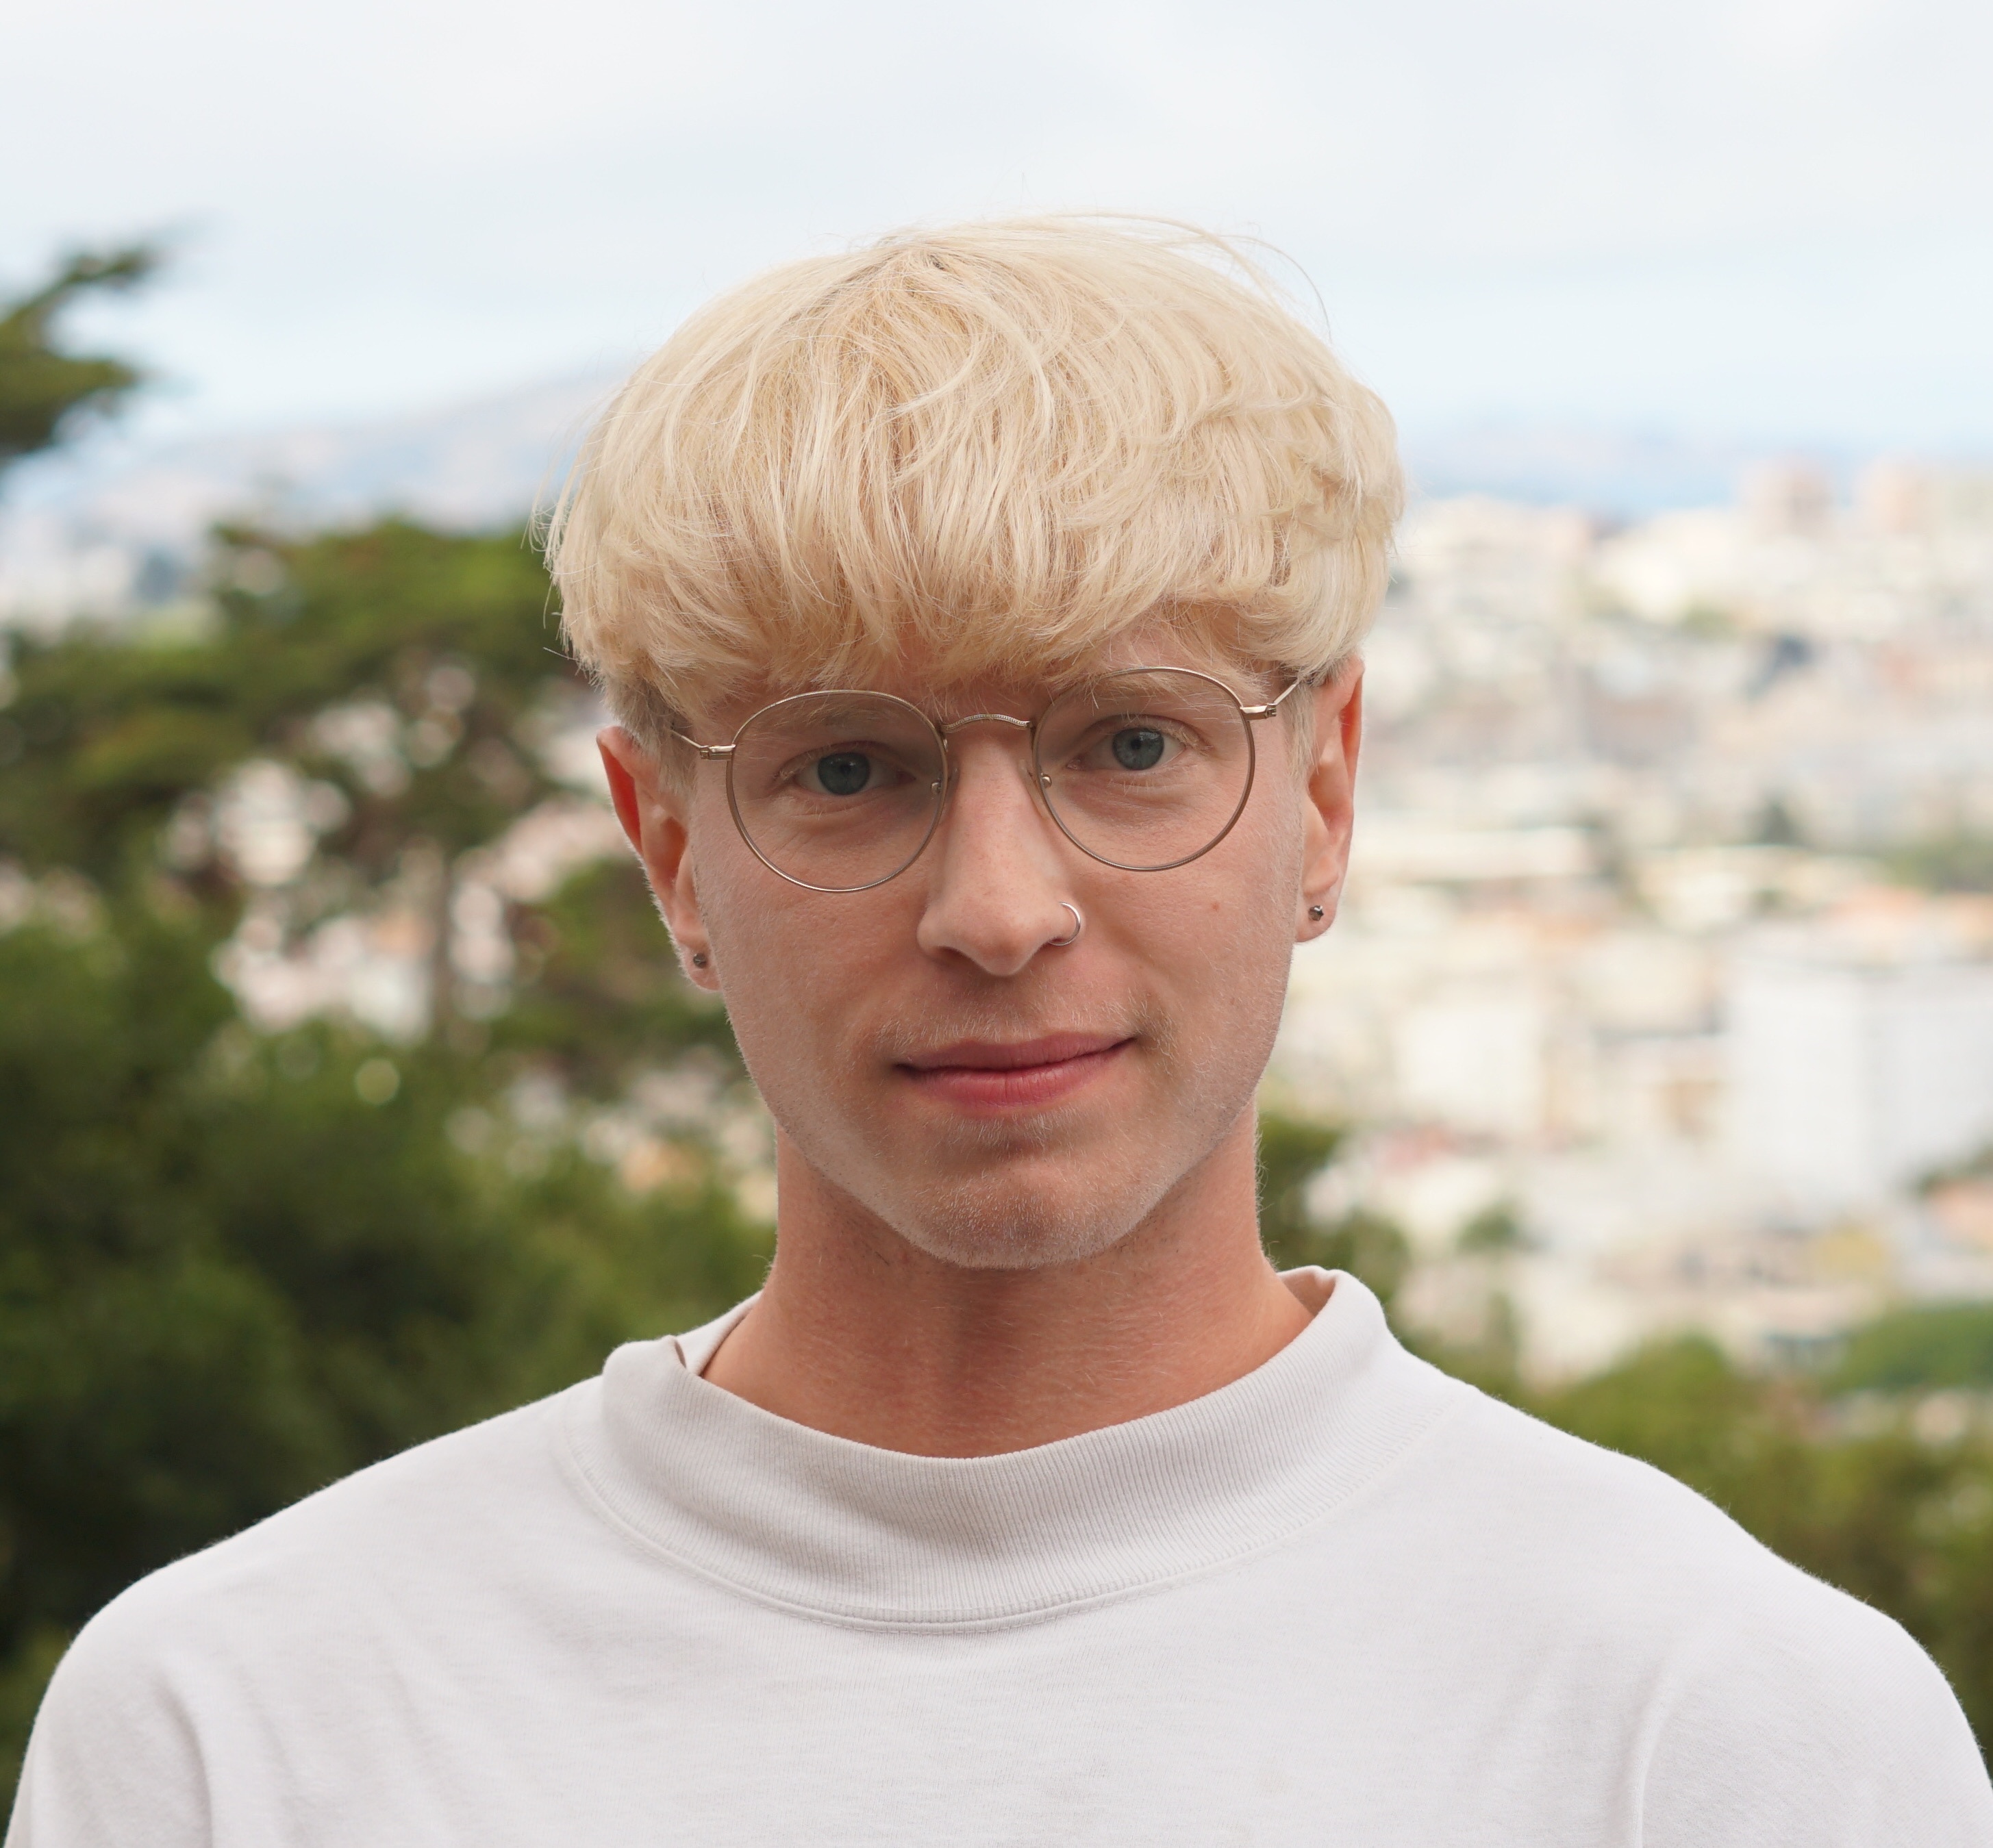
1330,792
653,816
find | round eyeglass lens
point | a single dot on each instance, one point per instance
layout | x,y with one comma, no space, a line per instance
837,790
1148,769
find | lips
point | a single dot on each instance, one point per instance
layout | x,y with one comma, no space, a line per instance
983,1075
986,1055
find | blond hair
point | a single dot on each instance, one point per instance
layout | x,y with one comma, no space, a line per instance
989,449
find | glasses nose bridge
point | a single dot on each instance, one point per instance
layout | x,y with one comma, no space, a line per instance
952,766
953,769
948,730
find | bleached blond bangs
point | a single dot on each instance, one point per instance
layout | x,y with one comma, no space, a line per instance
988,450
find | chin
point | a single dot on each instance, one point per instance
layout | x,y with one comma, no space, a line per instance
1017,1220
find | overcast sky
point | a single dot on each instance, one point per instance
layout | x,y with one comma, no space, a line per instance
1770,220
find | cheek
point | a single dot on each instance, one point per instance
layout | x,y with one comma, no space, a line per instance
794,967
1217,936
743,917
1250,919
1247,888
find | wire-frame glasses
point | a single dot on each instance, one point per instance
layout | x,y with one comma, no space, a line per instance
1143,769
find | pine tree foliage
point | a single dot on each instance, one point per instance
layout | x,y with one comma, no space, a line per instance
43,390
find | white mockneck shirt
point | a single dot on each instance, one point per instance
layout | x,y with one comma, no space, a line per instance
1344,1599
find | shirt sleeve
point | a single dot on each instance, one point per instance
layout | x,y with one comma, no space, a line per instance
1822,1727
113,1760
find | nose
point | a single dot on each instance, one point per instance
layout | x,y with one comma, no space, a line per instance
998,873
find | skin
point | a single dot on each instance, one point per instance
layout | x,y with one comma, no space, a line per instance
970,1261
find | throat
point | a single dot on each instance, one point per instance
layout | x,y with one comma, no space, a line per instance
935,1360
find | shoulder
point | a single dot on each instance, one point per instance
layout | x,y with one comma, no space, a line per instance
435,1498
1768,1695
1813,1717
180,1657
1604,1525
438,1505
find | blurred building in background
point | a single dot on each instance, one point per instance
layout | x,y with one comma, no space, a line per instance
1668,945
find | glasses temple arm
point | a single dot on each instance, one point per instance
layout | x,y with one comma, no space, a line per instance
1273,704
715,750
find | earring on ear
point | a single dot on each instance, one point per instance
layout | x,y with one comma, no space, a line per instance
698,959
1317,912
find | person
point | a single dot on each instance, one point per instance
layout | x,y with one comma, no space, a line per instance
980,611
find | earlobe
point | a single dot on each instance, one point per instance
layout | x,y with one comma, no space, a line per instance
695,960
1331,791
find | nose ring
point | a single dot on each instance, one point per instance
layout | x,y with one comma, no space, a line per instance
1078,925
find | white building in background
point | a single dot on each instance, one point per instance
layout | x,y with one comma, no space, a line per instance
1472,1056
1853,1068
1701,1080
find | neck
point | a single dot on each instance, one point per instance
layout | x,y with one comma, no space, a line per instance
860,1334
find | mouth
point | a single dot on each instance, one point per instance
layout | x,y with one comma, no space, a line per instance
992,1076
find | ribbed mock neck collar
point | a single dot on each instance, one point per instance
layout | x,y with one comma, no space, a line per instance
856,1534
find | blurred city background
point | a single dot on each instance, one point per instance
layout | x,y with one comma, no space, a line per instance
347,1091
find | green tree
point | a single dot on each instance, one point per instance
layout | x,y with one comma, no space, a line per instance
1938,1344
410,679
227,1277
43,390
236,1264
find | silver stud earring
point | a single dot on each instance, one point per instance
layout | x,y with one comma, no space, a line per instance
698,959
1317,912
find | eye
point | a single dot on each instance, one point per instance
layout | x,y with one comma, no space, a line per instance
1138,747
841,774
1133,744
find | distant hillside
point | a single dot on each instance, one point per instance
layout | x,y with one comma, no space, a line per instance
106,529
1620,474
